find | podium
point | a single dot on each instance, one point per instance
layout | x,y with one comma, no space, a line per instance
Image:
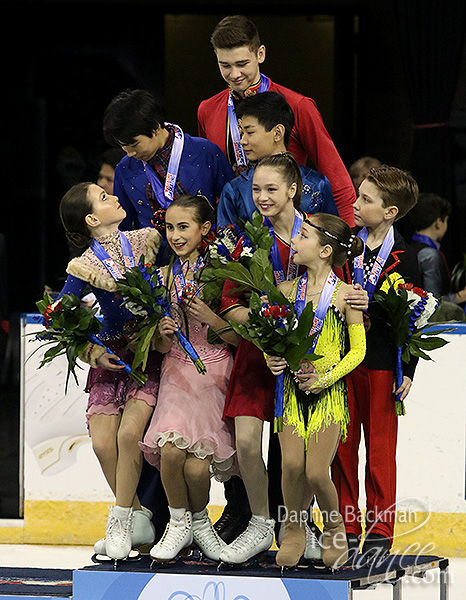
198,580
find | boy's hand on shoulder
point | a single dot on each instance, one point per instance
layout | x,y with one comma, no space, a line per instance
357,298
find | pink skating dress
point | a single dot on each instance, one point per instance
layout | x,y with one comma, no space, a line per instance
189,411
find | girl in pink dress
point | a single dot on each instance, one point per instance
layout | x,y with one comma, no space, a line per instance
187,437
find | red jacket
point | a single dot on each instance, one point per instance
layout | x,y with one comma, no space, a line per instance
309,138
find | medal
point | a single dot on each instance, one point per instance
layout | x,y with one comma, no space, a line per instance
158,220
188,292
305,366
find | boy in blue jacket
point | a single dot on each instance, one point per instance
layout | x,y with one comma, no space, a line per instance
161,163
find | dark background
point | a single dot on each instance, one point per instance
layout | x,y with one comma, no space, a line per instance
376,68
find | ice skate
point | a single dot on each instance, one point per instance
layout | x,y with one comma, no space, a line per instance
313,551
293,545
178,535
334,544
118,534
205,537
256,539
143,533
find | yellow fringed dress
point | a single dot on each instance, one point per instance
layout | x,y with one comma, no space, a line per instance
310,413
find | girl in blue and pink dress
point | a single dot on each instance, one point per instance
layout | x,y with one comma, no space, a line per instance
187,437
118,410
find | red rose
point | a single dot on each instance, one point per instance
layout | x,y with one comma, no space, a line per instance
420,292
238,249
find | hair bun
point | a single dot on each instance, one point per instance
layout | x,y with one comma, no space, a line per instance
77,239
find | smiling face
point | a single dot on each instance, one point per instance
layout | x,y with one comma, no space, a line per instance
257,142
369,209
184,232
107,211
239,66
270,191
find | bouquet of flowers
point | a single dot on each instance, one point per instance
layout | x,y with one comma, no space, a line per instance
408,309
275,328
239,255
146,297
71,326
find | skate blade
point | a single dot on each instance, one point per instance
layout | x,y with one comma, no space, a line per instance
250,562
103,559
184,552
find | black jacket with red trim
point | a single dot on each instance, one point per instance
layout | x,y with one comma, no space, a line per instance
380,350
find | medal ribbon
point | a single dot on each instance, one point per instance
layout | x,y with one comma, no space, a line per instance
108,262
240,155
179,279
165,194
292,269
322,306
424,239
377,268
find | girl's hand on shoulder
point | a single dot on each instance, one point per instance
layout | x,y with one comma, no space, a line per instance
167,328
276,364
357,298
107,361
404,388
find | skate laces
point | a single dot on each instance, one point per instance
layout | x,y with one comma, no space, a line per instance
174,532
118,527
205,534
254,533
312,540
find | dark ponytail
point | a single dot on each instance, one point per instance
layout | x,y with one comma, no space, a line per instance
336,232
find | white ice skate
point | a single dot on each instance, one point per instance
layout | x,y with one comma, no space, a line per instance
205,537
257,538
178,535
143,532
118,534
313,550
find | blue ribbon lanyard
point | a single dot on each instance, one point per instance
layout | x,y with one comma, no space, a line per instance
424,239
292,269
180,281
240,155
108,262
165,194
377,268
323,305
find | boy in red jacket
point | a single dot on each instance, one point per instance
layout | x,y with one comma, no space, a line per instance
239,54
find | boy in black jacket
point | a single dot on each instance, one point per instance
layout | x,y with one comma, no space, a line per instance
385,196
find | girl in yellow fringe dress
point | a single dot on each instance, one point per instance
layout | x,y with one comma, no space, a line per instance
315,407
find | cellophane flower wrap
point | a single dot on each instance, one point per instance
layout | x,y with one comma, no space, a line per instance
70,325
148,299
275,328
408,309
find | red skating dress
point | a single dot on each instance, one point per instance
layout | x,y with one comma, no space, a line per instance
251,389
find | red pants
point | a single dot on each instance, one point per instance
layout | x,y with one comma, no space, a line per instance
371,404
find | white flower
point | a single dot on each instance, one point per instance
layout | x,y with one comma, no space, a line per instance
429,309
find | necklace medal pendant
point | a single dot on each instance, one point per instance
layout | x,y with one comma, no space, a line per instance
305,366
189,291
158,220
